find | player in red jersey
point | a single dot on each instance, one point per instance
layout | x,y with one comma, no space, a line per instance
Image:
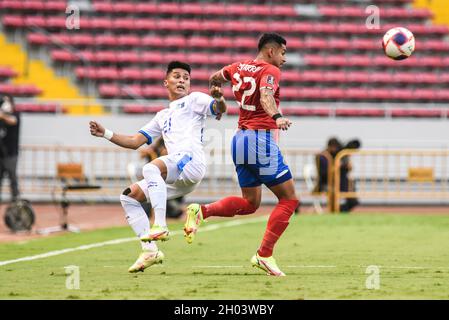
257,158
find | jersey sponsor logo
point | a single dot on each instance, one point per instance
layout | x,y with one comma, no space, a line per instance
270,80
181,105
248,67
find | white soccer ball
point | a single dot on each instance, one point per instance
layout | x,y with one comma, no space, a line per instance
398,43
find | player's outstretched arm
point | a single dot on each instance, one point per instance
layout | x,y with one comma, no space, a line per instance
130,142
269,105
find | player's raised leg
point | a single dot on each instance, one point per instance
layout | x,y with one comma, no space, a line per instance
226,207
131,200
155,174
277,223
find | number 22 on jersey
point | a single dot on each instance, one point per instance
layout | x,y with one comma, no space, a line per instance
246,93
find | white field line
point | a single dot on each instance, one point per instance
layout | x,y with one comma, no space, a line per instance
211,227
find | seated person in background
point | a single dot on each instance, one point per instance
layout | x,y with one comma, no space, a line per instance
334,146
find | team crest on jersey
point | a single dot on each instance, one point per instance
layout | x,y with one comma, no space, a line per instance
270,80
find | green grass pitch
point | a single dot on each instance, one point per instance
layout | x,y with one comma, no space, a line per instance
324,257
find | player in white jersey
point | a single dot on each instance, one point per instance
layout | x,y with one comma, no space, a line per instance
181,126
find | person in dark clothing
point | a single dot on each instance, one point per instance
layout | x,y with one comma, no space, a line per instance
334,146
9,143
347,184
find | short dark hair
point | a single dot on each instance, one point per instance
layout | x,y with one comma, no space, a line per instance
269,38
334,142
178,64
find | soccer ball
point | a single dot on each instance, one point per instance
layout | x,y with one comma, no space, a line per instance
398,43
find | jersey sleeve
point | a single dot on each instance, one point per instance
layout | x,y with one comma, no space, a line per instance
270,77
226,72
152,129
202,103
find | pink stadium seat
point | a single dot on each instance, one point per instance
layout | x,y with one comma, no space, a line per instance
284,10
124,7
333,93
148,8
199,42
190,24
153,73
154,91
222,42
335,76
198,58
260,10
235,25
151,57
33,5
63,56
128,57
125,24
55,5
424,94
167,24
380,77
164,7
289,93
309,93
402,94
6,72
131,74
180,56
152,41
128,41
315,43
201,74
13,21
442,95
379,94
214,9
338,43
133,108
357,77
106,40
212,25
238,10
312,76
107,73
106,56
356,112
291,76
35,21
100,24
221,58
109,90
105,7
37,39
12,5
191,8
175,41
357,93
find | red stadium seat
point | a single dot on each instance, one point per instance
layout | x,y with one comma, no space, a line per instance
151,57
238,10
105,7
191,25
152,41
124,7
260,10
124,24
131,74
199,42
284,10
164,7
147,8
222,42
153,73
175,41
33,5
357,77
198,58
6,72
128,41
191,8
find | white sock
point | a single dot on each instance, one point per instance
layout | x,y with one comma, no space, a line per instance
157,190
137,219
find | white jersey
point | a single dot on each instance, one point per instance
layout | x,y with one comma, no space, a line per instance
182,124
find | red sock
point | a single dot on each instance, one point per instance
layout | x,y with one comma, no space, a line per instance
228,207
277,223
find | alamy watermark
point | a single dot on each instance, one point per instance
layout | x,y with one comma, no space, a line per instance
373,280
72,281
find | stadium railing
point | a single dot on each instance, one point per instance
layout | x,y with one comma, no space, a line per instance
417,176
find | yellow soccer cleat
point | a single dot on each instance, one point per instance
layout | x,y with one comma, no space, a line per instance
193,221
267,264
157,233
146,259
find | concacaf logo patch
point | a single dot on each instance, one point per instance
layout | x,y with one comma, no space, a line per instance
270,80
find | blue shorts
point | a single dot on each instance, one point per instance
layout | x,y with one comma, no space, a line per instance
258,160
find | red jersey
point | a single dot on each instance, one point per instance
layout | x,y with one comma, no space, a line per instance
247,78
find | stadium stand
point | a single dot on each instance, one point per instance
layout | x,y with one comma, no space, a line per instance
332,56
